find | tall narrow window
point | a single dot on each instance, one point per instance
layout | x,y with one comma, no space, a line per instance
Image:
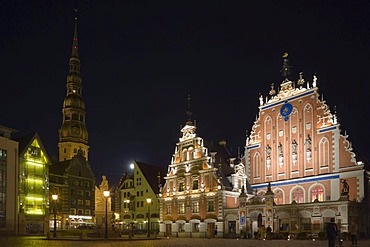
195,184
181,186
181,208
195,207
211,206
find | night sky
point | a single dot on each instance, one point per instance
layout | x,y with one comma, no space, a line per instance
140,60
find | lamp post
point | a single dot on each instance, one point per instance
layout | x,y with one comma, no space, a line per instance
55,198
106,195
148,200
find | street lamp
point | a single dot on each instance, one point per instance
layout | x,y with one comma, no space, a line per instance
148,200
55,198
106,195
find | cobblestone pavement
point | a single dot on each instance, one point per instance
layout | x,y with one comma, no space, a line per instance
165,242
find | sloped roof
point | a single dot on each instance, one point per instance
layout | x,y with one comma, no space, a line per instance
360,157
222,162
151,173
26,140
60,167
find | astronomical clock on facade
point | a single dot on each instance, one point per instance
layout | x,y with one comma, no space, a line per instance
297,152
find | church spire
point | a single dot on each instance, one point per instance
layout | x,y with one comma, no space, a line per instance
75,38
73,134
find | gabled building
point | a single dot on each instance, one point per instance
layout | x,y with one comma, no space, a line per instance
74,183
298,152
132,193
72,178
201,190
33,187
24,184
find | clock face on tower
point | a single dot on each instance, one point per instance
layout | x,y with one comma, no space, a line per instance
285,111
75,130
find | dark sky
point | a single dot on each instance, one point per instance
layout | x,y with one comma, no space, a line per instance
140,60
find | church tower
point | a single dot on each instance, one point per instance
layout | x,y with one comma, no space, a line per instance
73,134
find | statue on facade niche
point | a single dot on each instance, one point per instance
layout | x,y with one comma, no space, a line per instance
294,146
308,143
268,151
345,189
280,148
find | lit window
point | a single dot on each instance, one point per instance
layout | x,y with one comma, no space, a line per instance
181,186
298,195
278,198
195,207
168,209
317,192
181,208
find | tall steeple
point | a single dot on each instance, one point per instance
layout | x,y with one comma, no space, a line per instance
73,133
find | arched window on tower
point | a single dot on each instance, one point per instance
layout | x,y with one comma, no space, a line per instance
298,195
191,153
317,192
278,198
183,155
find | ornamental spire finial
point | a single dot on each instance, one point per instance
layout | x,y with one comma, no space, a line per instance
75,38
286,70
188,111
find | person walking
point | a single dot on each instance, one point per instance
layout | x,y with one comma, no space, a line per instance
353,230
331,232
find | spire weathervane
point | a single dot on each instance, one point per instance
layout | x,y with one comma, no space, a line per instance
188,111
286,70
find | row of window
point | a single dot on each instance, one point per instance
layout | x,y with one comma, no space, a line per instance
87,194
80,202
323,156
80,183
74,151
297,195
75,211
194,207
194,227
75,116
139,204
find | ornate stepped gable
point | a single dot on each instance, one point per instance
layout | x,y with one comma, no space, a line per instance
296,135
200,183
